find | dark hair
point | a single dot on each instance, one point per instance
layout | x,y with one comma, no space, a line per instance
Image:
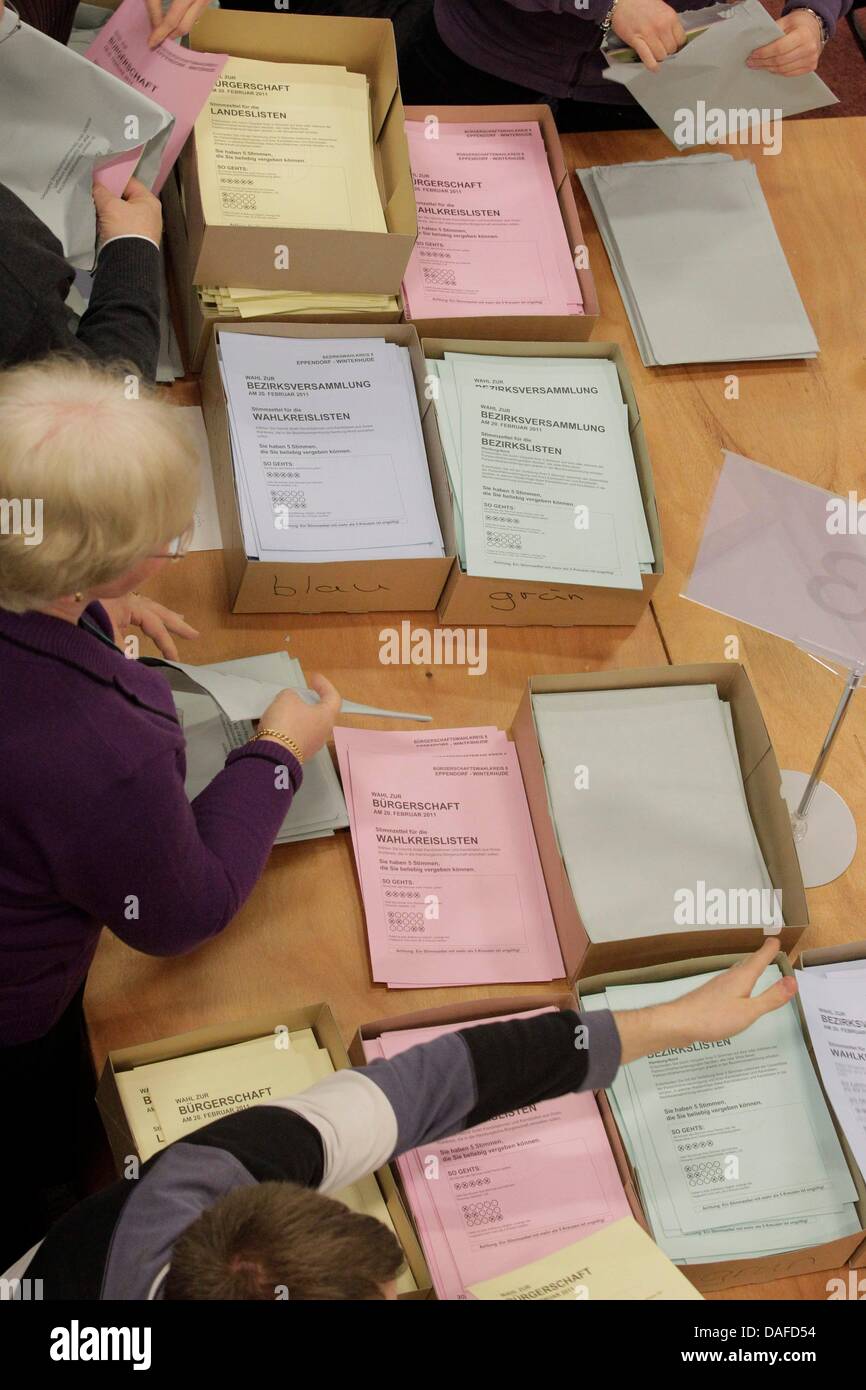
279,1241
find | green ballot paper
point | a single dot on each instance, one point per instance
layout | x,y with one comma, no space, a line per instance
732,1142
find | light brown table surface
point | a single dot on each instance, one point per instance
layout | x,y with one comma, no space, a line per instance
301,938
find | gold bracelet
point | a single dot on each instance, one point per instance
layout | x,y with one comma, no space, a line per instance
277,737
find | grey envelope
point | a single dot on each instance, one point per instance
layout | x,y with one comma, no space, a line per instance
711,69
61,117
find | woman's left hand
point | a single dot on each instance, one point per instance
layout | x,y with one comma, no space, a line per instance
797,52
155,620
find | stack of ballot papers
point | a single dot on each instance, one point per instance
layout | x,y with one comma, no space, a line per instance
318,809
732,1144
491,239
541,469
509,1191
657,837
288,145
697,260
233,302
167,1101
327,449
834,1003
619,1263
447,862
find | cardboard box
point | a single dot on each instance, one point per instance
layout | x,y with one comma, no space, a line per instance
476,1011
345,586
197,321
470,600
537,327
833,955
319,258
768,811
319,1018
730,1274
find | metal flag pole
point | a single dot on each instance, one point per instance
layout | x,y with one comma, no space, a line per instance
851,685
826,840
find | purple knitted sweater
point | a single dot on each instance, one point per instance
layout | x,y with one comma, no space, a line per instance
95,826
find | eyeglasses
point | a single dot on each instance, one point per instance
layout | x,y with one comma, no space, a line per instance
179,547
15,27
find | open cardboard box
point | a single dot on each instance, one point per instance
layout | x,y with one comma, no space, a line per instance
319,1018
197,320
319,258
768,811
538,327
729,1274
478,1011
833,955
473,601
345,586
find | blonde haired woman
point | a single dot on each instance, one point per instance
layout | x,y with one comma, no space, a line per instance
96,826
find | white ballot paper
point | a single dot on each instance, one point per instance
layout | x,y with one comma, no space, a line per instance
835,1009
732,1143
61,119
704,93
541,469
327,449
697,260
647,800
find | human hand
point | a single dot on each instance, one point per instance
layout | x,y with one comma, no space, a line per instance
797,52
650,27
309,726
155,620
179,18
137,213
719,1009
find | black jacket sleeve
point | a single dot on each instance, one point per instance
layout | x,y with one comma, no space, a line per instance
34,281
122,319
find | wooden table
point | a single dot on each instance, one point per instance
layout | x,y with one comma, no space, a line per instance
301,938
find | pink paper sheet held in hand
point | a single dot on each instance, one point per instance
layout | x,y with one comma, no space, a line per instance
491,239
175,78
509,1191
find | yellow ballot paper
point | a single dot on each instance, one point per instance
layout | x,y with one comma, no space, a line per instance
236,302
166,1101
288,145
618,1263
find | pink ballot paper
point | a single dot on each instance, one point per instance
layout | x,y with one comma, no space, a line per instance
491,239
787,557
509,1191
175,78
447,861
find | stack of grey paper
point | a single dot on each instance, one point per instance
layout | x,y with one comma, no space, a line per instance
647,800
319,808
697,260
